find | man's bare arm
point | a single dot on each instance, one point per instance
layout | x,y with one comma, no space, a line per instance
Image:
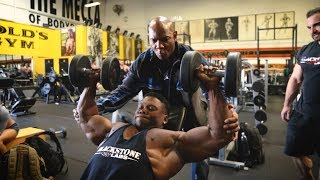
202,142
87,115
293,88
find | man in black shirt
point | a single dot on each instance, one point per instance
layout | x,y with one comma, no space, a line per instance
304,122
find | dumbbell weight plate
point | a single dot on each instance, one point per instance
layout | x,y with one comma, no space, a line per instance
260,115
110,73
64,132
259,100
263,129
258,85
232,74
190,61
256,72
77,76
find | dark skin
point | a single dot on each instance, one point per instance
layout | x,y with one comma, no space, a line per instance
167,150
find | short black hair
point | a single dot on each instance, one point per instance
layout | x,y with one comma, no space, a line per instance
313,11
161,99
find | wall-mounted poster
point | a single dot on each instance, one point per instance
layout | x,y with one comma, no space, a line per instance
113,44
247,27
265,22
138,47
182,27
196,31
94,41
285,21
184,39
230,28
212,29
127,48
68,41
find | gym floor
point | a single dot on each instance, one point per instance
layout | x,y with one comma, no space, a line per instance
78,150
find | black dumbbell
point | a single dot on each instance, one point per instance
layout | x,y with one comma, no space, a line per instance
260,115
62,132
80,69
263,129
259,100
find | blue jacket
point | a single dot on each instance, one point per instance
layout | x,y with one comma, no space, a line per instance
148,73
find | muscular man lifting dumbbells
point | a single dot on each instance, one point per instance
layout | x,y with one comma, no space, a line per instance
146,150
159,69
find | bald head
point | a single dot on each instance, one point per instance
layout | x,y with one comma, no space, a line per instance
161,22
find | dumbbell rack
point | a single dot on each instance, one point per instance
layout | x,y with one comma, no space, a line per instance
255,79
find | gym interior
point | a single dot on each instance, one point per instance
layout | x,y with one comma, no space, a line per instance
40,39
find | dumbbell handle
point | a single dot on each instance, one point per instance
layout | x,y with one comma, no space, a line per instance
218,73
85,70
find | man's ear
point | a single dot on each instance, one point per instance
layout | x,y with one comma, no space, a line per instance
175,35
166,119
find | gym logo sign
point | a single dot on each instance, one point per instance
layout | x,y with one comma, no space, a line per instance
20,39
62,13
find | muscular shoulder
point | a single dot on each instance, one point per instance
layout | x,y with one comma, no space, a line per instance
163,138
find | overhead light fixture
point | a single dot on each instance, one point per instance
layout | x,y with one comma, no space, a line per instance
92,4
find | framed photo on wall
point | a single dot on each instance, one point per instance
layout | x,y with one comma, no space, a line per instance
265,22
182,27
113,43
230,28
94,41
247,28
138,47
127,48
285,21
68,41
196,28
212,29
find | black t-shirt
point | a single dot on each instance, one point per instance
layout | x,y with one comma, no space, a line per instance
120,159
309,60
